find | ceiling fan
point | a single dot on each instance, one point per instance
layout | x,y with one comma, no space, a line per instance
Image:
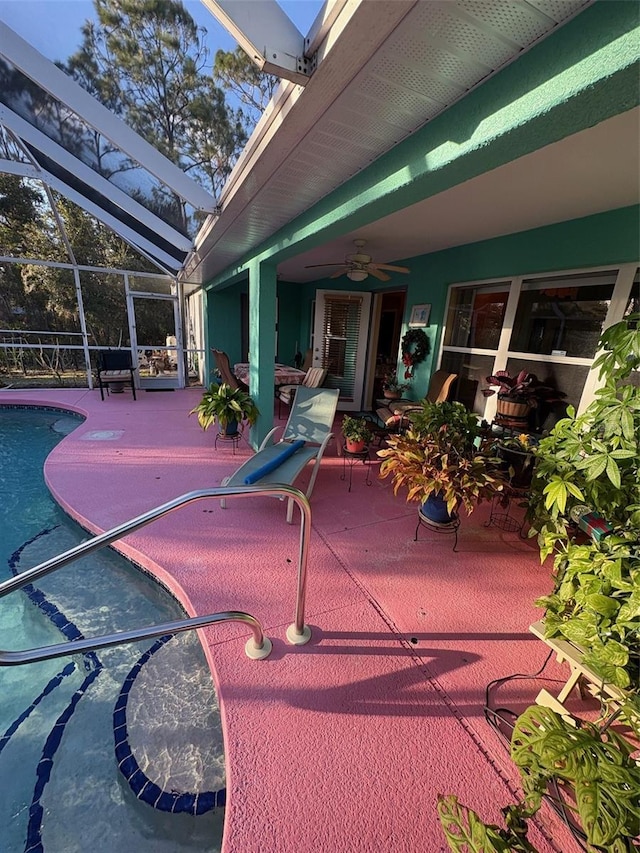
360,265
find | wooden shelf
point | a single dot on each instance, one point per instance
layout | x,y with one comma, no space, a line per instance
566,651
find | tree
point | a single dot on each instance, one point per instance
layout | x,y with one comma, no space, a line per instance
237,74
146,60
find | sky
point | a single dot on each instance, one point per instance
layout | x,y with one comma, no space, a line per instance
53,26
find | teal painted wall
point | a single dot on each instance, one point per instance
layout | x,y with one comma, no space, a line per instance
290,299
605,238
224,324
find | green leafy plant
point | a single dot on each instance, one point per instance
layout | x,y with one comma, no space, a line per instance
597,765
467,833
393,385
356,429
438,455
224,404
593,460
596,772
588,462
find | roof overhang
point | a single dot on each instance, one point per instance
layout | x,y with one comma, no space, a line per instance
384,70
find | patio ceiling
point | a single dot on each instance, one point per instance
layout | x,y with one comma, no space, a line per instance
383,71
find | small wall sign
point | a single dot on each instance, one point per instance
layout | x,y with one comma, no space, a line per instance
419,316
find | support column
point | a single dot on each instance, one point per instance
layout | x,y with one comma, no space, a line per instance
262,344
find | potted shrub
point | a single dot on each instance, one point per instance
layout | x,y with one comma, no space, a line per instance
356,432
392,389
518,395
588,469
585,510
437,461
226,405
517,451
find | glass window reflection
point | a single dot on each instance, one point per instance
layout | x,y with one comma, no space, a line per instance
562,316
475,316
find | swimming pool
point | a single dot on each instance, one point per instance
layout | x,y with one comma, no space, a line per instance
61,786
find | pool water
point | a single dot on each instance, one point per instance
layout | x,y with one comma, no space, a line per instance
60,787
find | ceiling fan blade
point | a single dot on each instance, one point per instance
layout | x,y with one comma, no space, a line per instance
337,274
381,276
390,267
336,264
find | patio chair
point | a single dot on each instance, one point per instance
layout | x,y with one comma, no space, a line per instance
314,378
308,359
305,437
394,414
115,367
224,368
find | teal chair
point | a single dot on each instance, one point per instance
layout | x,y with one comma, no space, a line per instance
305,437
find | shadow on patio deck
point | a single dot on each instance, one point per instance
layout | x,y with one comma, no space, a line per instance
343,744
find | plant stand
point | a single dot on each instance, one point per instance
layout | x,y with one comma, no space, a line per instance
579,674
500,515
350,458
233,439
439,527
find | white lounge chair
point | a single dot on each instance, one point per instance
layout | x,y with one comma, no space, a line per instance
308,429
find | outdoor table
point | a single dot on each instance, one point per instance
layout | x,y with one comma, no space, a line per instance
283,374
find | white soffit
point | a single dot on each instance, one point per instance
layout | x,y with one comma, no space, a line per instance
384,70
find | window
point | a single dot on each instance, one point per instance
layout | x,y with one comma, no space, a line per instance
549,325
562,316
475,316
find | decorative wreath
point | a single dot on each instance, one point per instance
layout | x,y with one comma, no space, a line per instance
415,348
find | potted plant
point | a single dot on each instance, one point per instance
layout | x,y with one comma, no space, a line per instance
588,470
229,406
584,506
517,451
438,462
357,433
518,395
392,388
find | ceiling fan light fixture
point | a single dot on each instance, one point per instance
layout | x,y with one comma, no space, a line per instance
357,275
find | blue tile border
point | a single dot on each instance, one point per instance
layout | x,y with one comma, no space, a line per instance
34,407
142,787
45,766
92,667
51,685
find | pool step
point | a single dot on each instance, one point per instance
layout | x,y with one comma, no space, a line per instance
168,731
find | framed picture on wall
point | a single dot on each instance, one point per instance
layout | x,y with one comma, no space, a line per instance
419,316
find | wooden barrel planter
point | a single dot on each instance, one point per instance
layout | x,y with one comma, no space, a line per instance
512,413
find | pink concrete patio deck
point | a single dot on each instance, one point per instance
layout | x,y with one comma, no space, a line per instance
341,745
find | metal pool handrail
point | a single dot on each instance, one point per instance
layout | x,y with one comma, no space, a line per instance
298,633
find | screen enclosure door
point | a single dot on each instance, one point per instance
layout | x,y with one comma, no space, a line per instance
156,341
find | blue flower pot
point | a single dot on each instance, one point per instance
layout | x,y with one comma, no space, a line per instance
231,428
435,509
